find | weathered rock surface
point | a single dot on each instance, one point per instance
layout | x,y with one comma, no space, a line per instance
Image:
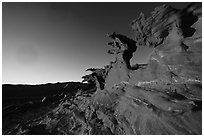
163,96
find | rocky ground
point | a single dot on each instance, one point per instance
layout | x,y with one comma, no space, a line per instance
163,96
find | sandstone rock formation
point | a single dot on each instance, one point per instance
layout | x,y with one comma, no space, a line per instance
163,96
97,77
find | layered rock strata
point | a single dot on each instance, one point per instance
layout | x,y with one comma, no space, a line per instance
163,96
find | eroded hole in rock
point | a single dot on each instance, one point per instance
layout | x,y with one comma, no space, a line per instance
141,56
163,97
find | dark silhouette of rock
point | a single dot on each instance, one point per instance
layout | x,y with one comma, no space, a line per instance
123,44
163,96
97,77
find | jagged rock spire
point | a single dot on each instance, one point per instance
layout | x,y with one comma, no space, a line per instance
164,97
124,45
97,77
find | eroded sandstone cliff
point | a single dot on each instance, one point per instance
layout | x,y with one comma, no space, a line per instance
163,96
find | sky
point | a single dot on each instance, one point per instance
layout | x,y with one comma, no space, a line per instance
56,42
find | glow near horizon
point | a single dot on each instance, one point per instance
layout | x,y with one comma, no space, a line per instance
46,43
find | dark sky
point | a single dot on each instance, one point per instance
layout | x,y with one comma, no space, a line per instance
56,42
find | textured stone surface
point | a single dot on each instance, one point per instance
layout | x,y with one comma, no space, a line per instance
163,96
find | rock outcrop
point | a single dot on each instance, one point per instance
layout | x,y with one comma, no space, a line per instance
163,96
